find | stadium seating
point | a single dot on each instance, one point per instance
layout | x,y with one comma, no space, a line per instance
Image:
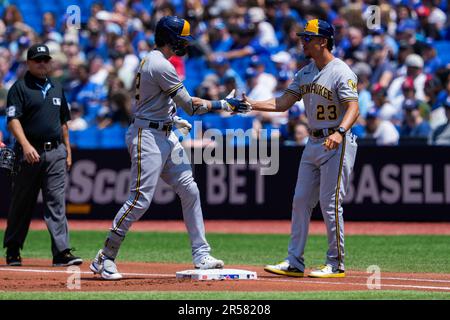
86,139
443,51
112,137
3,129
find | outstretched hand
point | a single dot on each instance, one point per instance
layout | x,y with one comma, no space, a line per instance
235,105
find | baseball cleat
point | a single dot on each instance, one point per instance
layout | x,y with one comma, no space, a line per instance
327,271
209,262
105,267
66,258
284,269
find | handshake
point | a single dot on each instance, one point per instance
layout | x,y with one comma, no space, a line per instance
230,104
235,105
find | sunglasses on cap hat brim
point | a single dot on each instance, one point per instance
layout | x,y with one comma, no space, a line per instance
307,37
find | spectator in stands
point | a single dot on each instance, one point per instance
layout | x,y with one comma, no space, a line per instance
265,34
254,89
94,41
300,135
98,71
245,44
14,23
127,61
49,31
406,32
118,110
229,84
382,68
437,98
70,47
209,88
223,70
3,90
276,119
435,94
404,50
414,65
89,95
431,61
76,123
220,38
7,76
341,40
425,28
386,111
414,125
290,42
363,72
437,17
382,131
264,79
283,61
441,135
356,52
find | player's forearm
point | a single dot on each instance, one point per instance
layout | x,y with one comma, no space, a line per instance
204,105
351,115
65,136
16,129
270,105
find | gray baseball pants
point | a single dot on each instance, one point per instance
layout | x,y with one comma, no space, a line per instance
152,152
322,176
49,176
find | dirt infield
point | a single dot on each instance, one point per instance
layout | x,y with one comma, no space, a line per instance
37,275
262,226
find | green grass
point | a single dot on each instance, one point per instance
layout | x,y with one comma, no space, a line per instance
226,295
411,253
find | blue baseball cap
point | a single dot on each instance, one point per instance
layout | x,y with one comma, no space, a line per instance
447,102
284,75
373,113
250,73
407,25
220,61
256,61
410,104
317,27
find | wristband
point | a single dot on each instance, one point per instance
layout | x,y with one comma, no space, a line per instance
216,105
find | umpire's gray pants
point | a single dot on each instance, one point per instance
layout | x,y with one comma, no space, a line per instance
49,176
322,175
152,156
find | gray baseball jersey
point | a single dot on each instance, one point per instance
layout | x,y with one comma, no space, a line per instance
324,91
323,175
151,152
156,80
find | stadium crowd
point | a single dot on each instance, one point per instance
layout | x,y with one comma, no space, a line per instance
402,64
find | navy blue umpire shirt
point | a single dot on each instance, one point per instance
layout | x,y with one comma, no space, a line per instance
40,106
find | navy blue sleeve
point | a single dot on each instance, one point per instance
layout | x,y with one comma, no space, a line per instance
14,103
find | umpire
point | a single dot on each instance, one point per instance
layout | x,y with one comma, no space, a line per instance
37,115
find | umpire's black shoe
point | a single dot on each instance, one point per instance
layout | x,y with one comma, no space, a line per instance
13,258
66,258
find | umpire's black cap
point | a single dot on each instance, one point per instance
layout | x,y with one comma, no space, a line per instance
38,51
317,27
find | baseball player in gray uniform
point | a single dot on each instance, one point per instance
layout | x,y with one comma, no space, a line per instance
328,89
151,144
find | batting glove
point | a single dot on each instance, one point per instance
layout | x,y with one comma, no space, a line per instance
232,104
182,125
